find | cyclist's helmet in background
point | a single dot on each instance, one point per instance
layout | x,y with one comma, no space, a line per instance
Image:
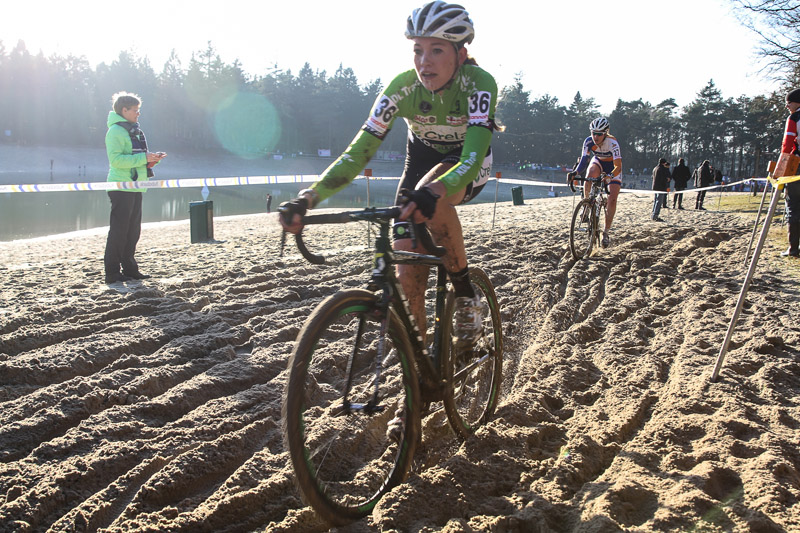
439,19
599,125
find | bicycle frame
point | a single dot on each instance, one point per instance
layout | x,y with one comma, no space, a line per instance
384,279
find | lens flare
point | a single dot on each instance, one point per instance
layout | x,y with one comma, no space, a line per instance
248,125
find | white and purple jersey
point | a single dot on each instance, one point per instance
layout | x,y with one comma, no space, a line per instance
606,154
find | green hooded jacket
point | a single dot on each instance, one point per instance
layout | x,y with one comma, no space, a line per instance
121,159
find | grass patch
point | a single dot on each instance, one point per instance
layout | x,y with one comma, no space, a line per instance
777,241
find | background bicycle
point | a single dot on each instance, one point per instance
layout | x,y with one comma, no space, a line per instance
584,231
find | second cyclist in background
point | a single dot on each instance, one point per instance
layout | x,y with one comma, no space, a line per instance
601,155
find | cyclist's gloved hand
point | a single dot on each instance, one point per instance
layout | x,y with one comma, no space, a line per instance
424,198
287,210
571,176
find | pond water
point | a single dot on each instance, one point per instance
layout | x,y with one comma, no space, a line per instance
27,215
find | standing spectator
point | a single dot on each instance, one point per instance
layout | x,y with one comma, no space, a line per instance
787,166
718,176
128,160
702,178
661,177
681,175
269,203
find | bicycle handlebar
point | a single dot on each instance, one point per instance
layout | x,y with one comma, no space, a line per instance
381,215
599,179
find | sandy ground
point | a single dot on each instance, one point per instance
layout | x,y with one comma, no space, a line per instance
155,406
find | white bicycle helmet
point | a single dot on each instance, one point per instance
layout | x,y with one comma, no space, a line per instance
439,19
599,125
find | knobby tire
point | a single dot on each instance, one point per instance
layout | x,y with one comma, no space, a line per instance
582,230
345,462
473,375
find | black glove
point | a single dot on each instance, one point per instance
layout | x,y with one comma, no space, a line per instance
424,198
571,176
289,209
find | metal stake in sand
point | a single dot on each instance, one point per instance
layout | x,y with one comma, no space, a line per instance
784,167
770,168
494,211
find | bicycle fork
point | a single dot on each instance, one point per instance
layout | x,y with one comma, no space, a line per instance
372,406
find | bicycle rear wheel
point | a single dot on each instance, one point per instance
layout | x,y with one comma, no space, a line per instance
473,375
582,230
342,457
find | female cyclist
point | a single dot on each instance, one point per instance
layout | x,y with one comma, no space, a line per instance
601,155
448,103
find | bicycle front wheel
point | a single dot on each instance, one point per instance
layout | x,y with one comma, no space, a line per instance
582,230
473,375
343,457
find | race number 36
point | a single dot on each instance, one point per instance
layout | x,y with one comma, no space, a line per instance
479,103
385,110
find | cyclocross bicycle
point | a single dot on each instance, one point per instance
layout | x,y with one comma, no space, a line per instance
360,357
584,232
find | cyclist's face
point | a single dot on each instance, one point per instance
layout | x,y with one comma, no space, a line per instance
436,61
598,136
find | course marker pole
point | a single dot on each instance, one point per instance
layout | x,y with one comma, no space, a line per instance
494,211
770,168
746,285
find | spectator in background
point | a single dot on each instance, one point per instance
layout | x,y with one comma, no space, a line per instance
128,160
661,177
787,166
702,178
681,175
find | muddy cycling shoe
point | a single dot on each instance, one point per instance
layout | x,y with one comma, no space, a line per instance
396,426
469,320
605,241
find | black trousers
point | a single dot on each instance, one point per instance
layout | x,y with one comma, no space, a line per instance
700,197
677,198
792,195
124,229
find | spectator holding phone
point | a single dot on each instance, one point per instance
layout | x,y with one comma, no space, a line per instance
128,160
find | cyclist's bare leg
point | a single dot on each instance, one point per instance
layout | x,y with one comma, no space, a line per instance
446,231
593,171
611,206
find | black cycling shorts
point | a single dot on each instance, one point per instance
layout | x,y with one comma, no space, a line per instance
420,159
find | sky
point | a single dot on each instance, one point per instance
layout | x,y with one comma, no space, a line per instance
628,49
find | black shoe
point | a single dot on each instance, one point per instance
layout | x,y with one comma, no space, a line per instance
116,278
680,207
137,275
701,208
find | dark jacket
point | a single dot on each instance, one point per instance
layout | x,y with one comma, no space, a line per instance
703,176
661,177
681,175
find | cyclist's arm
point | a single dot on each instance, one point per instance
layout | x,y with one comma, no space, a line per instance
617,168
617,156
344,170
480,111
476,144
586,155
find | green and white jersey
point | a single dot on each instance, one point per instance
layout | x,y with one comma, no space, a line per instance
460,116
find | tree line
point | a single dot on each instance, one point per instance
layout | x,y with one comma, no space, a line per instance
62,100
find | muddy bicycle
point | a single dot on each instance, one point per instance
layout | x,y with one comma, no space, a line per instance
584,231
360,357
